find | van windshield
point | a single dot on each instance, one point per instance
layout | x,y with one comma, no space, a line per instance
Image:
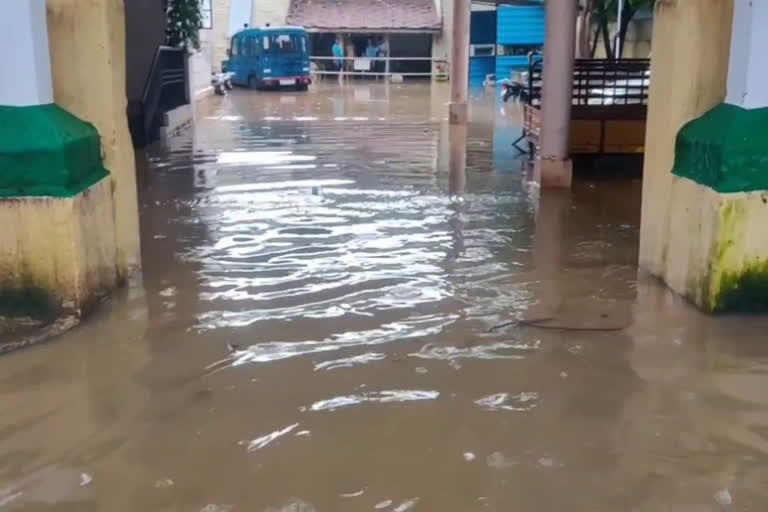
286,44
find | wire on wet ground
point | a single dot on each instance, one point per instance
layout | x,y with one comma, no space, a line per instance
539,323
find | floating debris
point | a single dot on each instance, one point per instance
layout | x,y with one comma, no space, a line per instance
723,498
164,483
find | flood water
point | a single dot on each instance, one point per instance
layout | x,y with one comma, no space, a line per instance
314,331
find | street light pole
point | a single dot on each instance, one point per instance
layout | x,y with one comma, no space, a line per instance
618,29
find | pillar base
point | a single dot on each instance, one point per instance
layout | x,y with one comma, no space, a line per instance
716,250
714,243
458,113
57,241
553,173
46,151
57,254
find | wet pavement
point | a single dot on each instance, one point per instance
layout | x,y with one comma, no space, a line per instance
320,327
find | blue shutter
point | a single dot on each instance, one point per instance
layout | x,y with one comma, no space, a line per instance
520,25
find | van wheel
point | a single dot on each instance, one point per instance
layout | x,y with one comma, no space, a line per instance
302,87
253,82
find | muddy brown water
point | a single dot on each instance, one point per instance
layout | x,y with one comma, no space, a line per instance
312,332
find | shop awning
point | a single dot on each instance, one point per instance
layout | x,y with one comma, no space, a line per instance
365,15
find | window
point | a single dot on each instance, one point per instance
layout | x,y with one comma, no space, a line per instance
254,44
285,43
206,14
482,50
304,45
520,49
265,43
235,51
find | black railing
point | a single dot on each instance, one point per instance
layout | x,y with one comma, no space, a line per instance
165,89
598,81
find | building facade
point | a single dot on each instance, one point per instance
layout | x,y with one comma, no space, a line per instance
416,28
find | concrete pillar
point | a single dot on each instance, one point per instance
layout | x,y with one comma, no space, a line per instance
457,159
25,63
747,72
458,111
705,180
87,41
553,165
689,69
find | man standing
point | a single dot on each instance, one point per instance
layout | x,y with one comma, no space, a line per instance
384,52
338,62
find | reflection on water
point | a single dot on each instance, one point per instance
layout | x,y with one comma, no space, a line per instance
348,305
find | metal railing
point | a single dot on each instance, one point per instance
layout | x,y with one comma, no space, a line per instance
164,90
599,81
372,66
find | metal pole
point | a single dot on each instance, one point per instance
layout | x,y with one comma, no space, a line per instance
618,29
458,110
388,53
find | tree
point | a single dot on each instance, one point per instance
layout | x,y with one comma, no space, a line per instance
584,29
184,22
604,12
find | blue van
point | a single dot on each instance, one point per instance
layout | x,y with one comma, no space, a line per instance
270,57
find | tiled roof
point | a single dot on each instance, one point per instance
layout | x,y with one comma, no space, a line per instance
365,15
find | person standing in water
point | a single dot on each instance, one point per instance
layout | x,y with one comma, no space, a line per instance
338,62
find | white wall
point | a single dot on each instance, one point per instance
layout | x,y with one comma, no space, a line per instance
24,54
273,12
441,44
200,67
239,15
747,70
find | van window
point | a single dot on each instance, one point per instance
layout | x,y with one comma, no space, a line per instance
253,46
235,46
303,45
265,43
285,43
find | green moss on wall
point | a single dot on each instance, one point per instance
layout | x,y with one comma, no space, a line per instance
46,151
730,286
744,291
27,300
726,149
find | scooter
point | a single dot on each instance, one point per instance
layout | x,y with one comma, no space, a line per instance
514,90
221,82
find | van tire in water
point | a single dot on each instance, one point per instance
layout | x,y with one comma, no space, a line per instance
253,82
302,87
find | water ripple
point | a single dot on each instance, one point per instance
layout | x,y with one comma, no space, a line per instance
261,442
500,350
505,402
382,397
347,362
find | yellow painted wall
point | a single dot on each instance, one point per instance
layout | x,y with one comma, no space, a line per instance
63,246
711,235
691,43
87,42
